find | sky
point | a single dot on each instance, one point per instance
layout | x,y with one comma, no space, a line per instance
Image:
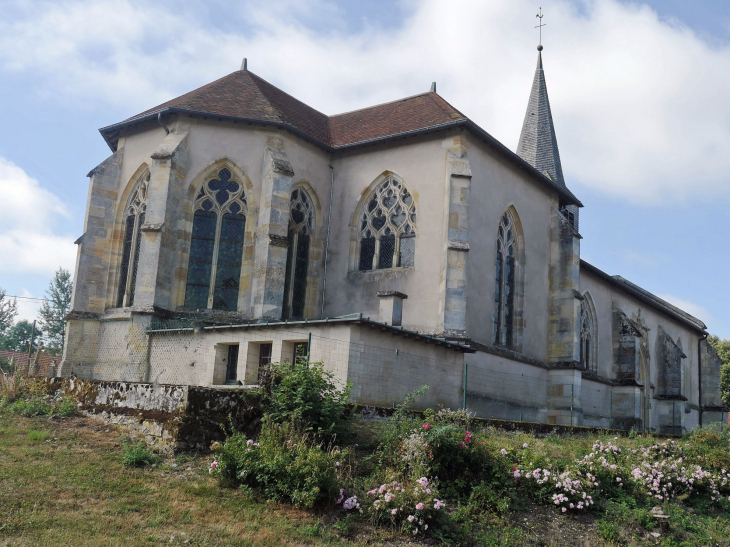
638,93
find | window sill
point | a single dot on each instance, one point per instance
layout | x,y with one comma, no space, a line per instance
374,273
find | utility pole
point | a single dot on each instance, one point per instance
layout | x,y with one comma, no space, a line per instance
30,347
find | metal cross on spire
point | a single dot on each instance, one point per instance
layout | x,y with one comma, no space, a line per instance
539,16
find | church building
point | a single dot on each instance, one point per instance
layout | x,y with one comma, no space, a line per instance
401,245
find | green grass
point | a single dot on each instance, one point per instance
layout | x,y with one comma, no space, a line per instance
64,482
74,489
35,435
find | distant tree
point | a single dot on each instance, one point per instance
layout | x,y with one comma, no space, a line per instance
54,310
8,311
17,337
722,347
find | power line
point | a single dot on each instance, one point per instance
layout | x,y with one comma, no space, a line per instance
25,297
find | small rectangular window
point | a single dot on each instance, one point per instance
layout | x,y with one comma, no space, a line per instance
232,364
265,352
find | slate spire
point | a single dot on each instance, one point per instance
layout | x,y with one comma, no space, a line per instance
538,145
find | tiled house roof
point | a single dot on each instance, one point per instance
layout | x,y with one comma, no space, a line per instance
20,359
538,145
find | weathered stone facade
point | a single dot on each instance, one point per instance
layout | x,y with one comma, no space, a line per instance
466,254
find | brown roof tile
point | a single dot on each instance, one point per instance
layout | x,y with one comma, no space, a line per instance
403,116
242,94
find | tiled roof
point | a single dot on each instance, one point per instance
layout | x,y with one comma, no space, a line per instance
646,297
20,359
538,145
243,96
394,118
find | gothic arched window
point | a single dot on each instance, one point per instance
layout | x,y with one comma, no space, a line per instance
504,291
216,247
588,344
133,219
585,337
387,227
301,225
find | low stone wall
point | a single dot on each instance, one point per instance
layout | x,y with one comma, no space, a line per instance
169,417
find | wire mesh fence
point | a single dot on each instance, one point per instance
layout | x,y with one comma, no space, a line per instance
381,369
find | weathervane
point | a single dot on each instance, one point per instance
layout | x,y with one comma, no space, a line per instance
539,16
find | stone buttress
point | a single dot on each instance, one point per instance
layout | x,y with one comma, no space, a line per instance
271,232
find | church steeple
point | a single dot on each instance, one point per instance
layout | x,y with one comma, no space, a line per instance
538,145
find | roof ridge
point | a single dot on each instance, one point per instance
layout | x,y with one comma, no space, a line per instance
380,104
256,76
161,106
441,106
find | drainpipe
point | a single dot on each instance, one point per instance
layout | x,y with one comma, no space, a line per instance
327,241
699,373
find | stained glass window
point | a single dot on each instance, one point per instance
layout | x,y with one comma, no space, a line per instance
587,359
134,219
216,246
387,227
504,282
301,225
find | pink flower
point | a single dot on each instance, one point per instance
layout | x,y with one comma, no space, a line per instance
394,511
426,426
372,492
342,496
411,518
503,452
419,506
351,503
564,509
415,531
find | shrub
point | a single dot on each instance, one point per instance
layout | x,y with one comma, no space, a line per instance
306,395
285,464
11,385
34,406
137,454
67,407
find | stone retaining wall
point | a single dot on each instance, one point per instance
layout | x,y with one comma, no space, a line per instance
169,417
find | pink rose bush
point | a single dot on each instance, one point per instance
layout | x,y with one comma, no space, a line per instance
408,505
662,471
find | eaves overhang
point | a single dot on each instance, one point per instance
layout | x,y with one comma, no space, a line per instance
108,132
355,318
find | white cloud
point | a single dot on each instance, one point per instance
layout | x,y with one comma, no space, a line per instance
28,213
639,103
691,308
28,309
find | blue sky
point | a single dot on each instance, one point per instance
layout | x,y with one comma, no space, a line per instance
638,91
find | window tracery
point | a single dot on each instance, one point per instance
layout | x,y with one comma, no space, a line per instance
134,216
585,337
504,292
301,226
216,246
588,336
387,227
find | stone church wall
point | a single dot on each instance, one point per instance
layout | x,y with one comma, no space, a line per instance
419,162
672,383
496,186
